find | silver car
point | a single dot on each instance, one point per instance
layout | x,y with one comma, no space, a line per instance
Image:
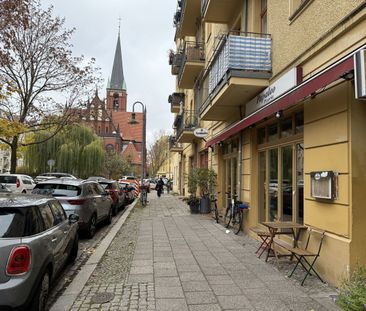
86,198
36,240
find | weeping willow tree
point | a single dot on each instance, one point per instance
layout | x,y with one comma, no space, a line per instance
75,149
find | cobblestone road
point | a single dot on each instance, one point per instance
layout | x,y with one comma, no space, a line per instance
165,259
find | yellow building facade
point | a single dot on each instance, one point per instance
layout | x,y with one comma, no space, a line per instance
273,83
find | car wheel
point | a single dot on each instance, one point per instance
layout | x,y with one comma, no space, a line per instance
40,298
109,218
92,226
74,250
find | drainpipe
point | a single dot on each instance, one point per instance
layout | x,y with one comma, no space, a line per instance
244,25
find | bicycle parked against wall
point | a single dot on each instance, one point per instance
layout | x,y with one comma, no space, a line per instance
234,213
214,209
143,195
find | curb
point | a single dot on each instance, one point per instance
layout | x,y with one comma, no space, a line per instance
66,300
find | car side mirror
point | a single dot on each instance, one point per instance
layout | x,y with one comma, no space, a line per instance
73,218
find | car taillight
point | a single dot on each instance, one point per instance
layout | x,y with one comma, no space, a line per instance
76,202
19,260
18,183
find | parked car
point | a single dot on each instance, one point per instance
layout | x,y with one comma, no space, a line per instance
115,191
4,188
36,240
18,183
129,191
85,198
47,176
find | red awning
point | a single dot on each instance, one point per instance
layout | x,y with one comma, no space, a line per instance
289,99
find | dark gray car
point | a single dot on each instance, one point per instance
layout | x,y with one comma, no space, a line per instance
85,198
36,240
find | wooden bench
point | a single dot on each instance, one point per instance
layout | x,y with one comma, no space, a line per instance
302,253
264,243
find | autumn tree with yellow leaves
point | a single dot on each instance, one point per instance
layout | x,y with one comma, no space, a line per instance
41,83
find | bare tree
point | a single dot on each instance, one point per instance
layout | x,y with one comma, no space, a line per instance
41,82
157,152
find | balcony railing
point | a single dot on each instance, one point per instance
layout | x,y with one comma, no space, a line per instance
187,121
174,145
178,15
176,98
193,52
244,52
175,60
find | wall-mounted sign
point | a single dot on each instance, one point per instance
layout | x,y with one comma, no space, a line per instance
324,185
360,74
289,80
200,132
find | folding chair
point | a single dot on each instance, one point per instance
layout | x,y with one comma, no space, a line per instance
301,254
264,244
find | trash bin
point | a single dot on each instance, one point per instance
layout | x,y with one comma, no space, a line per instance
205,205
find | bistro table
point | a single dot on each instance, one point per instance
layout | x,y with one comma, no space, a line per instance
282,227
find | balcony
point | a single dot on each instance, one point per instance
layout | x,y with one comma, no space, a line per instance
174,146
193,63
219,11
175,101
175,60
185,124
185,18
238,71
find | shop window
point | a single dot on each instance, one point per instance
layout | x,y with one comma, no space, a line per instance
299,122
204,159
272,132
286,127
261,135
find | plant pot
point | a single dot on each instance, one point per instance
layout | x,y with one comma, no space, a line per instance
195,208
204,205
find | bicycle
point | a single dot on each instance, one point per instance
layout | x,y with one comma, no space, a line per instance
214,209
234,213
143,196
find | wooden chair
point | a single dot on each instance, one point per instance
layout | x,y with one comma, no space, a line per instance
264,244
305,257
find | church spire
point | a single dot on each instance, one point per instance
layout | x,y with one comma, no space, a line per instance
117,81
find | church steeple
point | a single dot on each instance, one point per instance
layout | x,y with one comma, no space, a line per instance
116,88
117,81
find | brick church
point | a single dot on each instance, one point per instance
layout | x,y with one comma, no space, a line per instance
110,119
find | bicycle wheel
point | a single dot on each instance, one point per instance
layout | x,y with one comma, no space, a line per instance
216,213
228,216
237,220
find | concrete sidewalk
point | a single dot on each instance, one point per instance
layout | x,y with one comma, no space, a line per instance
187,262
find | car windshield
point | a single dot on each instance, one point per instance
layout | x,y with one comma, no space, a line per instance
8,179
11,223
58,190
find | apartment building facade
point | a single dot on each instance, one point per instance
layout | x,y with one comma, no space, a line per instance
273,83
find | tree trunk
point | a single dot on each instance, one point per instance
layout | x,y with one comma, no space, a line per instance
13,158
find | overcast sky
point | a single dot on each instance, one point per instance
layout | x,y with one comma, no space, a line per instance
147,34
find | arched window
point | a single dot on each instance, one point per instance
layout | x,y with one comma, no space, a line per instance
109,147
115,102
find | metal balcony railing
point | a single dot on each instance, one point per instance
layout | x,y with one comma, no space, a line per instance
241,52
178,15
192,52
187,121
173,143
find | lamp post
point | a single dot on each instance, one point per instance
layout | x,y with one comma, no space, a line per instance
134,121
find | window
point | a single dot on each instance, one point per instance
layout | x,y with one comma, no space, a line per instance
58,213
11,223
34,223
47,216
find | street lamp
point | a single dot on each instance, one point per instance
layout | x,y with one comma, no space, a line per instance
134,121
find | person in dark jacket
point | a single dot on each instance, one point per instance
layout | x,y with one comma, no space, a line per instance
159,186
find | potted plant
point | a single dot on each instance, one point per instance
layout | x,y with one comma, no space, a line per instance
206,182
193,201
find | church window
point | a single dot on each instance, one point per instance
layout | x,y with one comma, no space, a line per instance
115,102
